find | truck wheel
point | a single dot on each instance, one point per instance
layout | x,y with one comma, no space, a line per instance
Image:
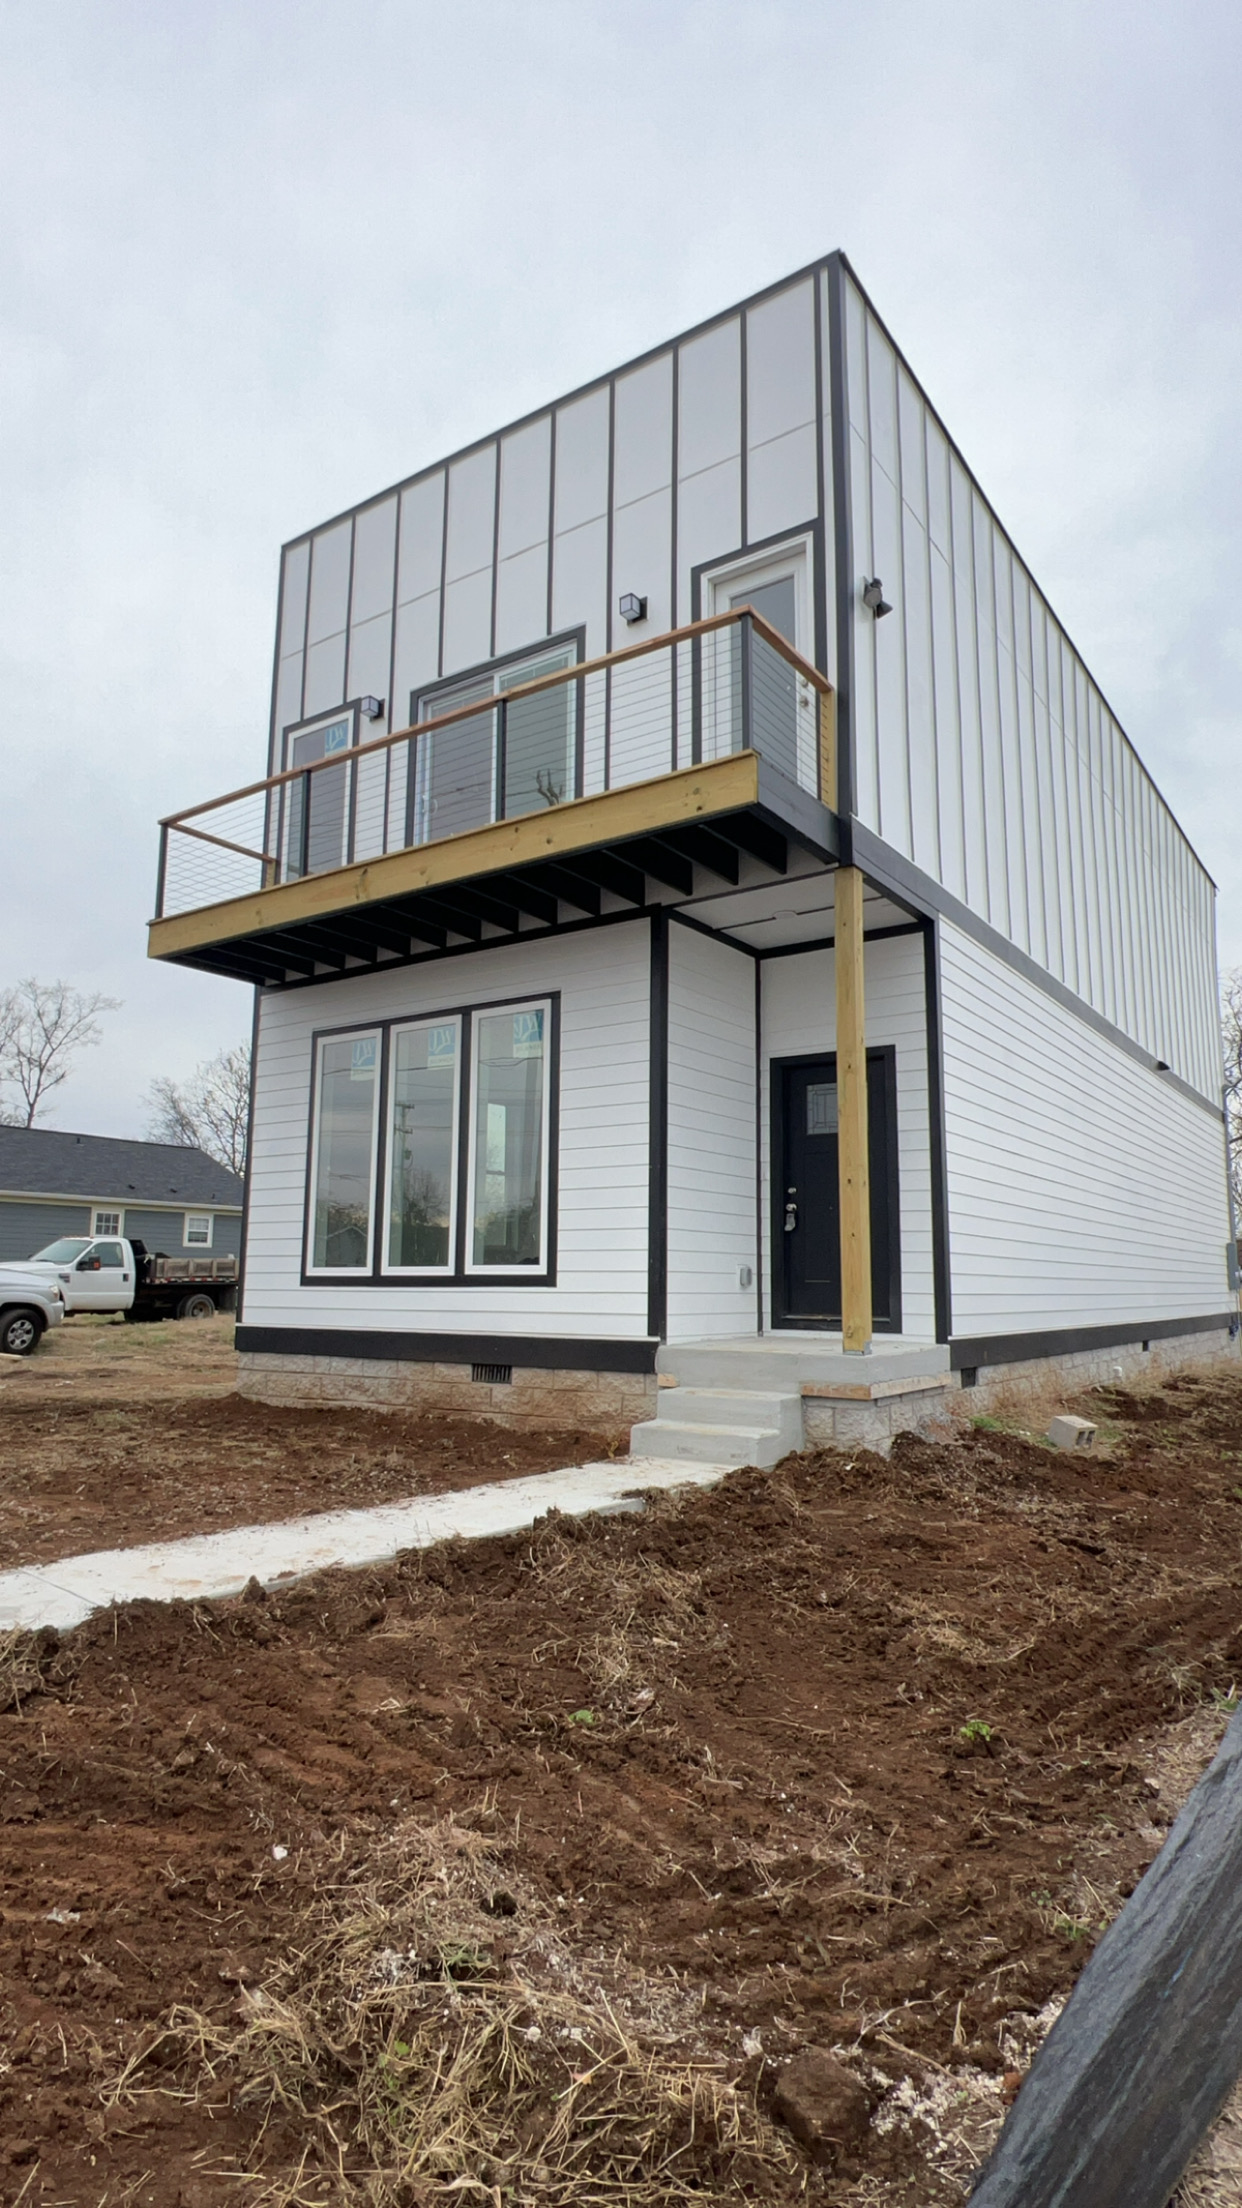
20,1332
196,1307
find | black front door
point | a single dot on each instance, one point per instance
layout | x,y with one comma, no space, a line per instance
806,1204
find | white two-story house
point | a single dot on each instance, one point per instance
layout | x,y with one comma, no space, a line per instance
707,925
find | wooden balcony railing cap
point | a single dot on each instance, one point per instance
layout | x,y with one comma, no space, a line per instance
576,673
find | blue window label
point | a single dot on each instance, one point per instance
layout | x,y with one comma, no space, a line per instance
442,1048
336,738
528,1034
362,1058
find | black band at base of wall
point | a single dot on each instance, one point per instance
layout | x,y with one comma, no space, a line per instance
1016,1349
546,1353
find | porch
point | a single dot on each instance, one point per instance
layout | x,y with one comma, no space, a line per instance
753,1398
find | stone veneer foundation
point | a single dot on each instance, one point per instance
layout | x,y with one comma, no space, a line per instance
939,1411
539,1399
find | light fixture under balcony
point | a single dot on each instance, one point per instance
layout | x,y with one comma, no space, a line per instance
873,596
632,608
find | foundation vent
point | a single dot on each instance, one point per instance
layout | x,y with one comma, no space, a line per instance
499,1376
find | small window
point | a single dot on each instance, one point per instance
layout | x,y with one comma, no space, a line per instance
821,1108
343,1153
509,1138
106,1222
198,1226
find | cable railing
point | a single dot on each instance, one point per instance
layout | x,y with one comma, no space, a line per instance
727,684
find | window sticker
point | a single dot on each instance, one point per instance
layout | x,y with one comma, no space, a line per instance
362,1058
528,1034
441,1049
336,738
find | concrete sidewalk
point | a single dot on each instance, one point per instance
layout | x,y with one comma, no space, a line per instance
215,1564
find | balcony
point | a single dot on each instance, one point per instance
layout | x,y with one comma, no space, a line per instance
681,766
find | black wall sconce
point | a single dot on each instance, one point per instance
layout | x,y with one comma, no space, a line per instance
632,609
873,596
371,708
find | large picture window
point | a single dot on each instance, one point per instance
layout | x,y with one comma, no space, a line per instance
423,1078
344,1153
450,1118
509,1123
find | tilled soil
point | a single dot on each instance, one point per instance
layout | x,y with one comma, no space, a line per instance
111,1436
849,1754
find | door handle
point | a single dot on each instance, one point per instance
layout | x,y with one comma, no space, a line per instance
791,1218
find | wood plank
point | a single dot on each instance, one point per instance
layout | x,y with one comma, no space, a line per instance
853,1164
642,808
828,748
576,673
1149,2045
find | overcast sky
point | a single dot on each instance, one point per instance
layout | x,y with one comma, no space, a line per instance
263,257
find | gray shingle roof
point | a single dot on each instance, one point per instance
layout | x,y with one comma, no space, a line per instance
41,1161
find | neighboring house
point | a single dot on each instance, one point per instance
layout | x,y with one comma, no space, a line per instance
779,977
176,1200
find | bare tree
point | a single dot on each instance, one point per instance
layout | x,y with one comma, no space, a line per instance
1231,1039
43,1026
210,1113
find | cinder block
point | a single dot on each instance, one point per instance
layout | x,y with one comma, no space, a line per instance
1068,1432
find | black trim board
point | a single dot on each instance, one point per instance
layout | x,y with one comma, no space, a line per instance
898,877
657,1129
239,1301
543,1353
1015,1349
942,1277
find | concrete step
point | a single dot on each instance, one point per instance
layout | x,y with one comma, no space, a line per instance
732,1406
721,1426
731,1445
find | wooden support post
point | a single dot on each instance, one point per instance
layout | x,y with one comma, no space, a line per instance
852,1115
828,748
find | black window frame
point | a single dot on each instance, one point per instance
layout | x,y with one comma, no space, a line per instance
460,1274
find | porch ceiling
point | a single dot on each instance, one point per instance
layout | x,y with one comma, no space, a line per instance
728,824
800,908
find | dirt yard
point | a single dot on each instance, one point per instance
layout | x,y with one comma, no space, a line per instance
515,1872
113,1435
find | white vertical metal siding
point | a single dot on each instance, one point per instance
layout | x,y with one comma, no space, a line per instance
711,1137
799,1016
681,460
601,1288
985,752
1084,1190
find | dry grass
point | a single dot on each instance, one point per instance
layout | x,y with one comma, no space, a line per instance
435,2030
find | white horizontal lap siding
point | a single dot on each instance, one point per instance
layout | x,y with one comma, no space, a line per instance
799,1016
1084,1190
711,1137
601,1289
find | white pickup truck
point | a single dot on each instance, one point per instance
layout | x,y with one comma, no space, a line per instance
109,1273
27,1309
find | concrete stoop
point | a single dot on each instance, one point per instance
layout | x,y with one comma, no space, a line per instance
752,1400
721,1426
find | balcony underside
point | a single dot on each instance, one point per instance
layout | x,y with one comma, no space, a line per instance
685,834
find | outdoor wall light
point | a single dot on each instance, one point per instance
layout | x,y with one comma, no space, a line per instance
632,608
371,708
873,596
1163,1066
